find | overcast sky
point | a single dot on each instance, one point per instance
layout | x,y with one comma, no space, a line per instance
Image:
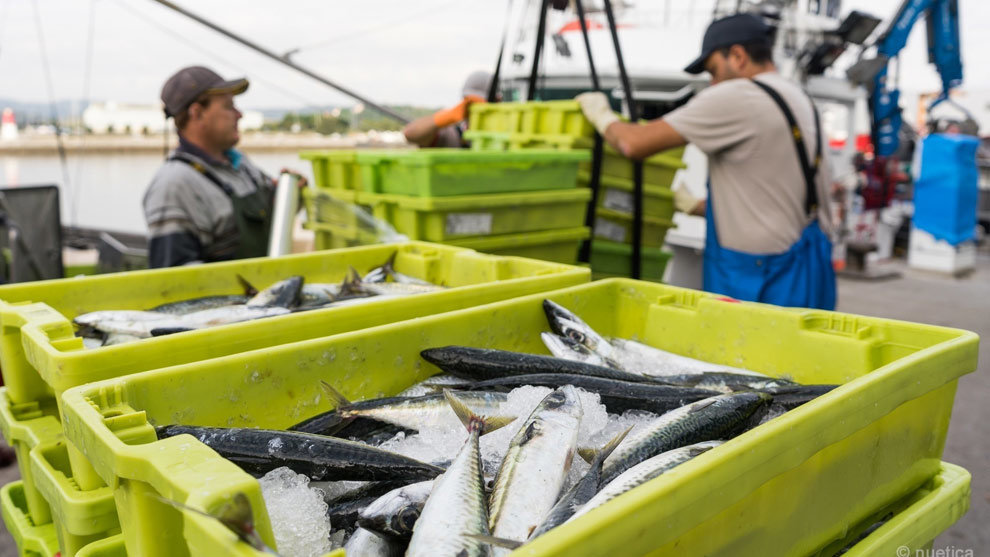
394,51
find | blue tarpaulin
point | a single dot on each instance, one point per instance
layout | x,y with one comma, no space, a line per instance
947,189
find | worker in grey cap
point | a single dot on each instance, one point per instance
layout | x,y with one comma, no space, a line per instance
208,202
445,128
767,212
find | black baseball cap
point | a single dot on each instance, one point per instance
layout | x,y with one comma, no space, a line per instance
725,32
187,84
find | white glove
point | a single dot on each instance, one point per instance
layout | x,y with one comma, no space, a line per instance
684,200
597,110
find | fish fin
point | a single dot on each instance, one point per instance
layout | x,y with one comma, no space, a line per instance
613,444
498,542
249,289
472,421
339,400
352,282
162,331
389,265
587,453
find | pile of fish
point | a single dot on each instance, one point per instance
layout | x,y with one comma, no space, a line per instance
454,501
109,327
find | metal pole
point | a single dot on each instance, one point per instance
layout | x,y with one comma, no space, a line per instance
280,59
584,255
637,232
541,30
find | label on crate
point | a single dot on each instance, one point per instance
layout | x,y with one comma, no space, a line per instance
618,200
609,230
468,224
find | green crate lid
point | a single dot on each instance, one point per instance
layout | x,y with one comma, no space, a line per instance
626,185
625,250
339,155
422,157
656,221
476,202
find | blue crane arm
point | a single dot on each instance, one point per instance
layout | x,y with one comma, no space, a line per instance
943,51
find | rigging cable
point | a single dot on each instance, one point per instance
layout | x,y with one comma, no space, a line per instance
87,74
186,42
51,97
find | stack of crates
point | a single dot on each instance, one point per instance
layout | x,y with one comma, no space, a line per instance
561,125
521,203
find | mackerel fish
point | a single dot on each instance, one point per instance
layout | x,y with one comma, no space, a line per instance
717,417
456,508
532,473
395,513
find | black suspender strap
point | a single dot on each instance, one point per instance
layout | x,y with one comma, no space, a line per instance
811,192
206,172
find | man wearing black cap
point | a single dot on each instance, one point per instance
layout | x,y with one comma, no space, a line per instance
766,212
207,202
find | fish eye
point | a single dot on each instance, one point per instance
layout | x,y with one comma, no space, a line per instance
407,518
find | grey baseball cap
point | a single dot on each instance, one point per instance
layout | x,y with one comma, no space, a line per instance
477,84
187,84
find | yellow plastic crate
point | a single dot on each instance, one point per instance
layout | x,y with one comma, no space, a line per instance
915,521
443,219
107,547
41,357
80,517
32,540
25,426
506,141
658,170
788,487
332,207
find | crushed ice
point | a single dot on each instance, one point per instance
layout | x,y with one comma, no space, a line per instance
298,514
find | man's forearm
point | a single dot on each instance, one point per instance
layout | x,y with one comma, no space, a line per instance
636,141
421,131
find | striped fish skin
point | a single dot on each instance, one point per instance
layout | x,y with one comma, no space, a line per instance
717,417
457,506
531,475
183,307
643,472
568,325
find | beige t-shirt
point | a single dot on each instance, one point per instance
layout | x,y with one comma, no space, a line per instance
757,187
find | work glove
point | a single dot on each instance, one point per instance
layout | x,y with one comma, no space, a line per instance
457,113
684,200
597,110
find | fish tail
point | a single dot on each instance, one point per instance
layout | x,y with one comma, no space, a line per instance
591,455
389,266
473,422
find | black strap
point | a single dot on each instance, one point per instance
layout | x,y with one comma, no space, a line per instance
811,192
202,169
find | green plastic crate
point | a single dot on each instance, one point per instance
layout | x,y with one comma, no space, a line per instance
460,172
107,547
32,540
658,170
611,259
334,207
327,236
614,226
788,487
560,246
507,141
443,219
616,194
534,117
917,519
80,517
334,169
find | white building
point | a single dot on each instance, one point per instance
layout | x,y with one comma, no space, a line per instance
111,117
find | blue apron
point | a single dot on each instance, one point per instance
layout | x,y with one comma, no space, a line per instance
802,276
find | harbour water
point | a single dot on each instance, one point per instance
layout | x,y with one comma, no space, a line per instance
104,190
